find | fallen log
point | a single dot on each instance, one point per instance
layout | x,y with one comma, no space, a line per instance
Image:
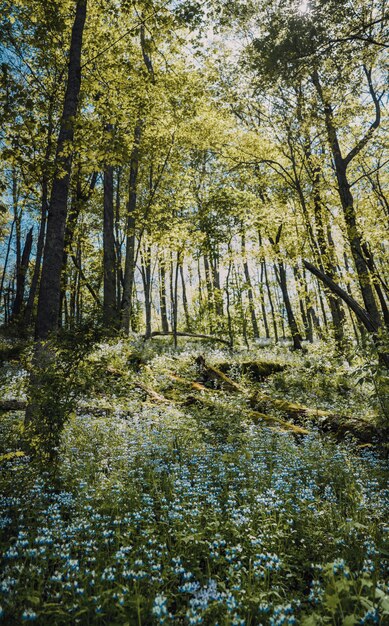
183,381
154,395
257,370
338,424
209,374
253,416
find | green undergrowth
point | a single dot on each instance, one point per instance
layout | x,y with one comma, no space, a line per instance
168,511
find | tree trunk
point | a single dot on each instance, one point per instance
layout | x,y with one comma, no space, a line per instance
38,258
296,336
6,262
146,277
262,300
208,282
175,299
361,313
109,257
50,285
44,419
249,289
163,297
43,221
21,277
270,298
129,267
185,299
347,203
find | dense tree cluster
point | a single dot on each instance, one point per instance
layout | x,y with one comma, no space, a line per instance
213,168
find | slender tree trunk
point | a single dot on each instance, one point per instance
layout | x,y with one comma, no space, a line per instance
43,221
129,267
175,297
118,242
229,318
296,336
270,298
38,259
109,257
21,276
208,283
6,260
17,220
217,292
146,277
347,203
249,289
303,304
262,299
185,300
163,297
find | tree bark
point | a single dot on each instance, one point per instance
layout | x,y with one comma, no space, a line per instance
296,336
249,289
129,267
347,203
6,260
185,299
163,297
50,285
43,221
21,277
109,257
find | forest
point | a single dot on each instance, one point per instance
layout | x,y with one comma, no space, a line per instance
194,312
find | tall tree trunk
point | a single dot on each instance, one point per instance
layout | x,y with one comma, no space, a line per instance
163,296
262,299
44,418
50,285
185,300
249,289
129,267
296,336
43,221
109,257
217,292
326,258
228,297
270,298
21,276
146,277
118,241
6,260
17,219
303,303
347,203
38,259
175,298
208,282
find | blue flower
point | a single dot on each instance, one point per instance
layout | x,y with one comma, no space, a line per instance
29,616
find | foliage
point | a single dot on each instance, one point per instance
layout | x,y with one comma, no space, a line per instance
166,512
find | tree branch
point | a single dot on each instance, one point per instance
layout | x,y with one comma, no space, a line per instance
361,144
359,311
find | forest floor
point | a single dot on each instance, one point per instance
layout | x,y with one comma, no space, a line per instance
197,487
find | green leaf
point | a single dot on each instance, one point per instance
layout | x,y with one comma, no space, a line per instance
332,601
349,620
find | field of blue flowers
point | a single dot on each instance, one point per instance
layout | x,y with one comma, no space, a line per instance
165,513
